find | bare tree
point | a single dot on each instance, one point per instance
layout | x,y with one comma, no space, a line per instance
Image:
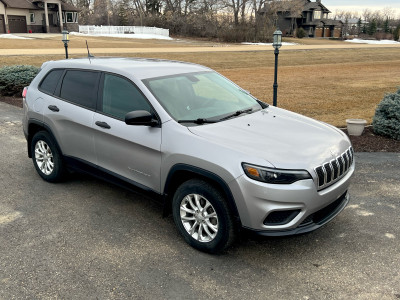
367,15
388,13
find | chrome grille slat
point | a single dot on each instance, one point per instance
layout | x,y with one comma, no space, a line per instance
330,172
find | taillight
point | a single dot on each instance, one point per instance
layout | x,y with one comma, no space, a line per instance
24,92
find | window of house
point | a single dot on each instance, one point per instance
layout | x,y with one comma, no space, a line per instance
70,17
325,15
80,87
120,96
317,14
32,17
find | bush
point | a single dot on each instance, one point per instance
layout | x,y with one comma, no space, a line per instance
13,79
387,116
300,33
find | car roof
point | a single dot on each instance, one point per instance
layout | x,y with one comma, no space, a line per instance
141,68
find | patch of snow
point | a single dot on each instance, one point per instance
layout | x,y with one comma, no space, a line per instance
270,44
373,42
11,36
127,36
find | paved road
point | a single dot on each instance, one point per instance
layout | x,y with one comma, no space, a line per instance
86,239
224,48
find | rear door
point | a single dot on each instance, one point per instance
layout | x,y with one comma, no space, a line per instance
69,112
132,152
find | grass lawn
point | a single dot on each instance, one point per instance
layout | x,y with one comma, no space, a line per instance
326,84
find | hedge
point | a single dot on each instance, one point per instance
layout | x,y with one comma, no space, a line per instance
13,79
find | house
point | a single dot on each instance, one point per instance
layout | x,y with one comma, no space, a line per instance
313,17
23,16
352,26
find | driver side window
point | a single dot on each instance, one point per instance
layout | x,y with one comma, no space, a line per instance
120,96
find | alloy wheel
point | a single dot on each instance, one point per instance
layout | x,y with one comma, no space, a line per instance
44,157
199,218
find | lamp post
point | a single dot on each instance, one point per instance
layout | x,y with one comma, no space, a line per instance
65,39
276,44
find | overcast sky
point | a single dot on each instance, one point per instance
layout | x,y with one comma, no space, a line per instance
360,5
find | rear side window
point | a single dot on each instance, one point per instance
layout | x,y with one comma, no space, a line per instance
80,87
49,83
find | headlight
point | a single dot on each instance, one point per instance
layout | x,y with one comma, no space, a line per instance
275,176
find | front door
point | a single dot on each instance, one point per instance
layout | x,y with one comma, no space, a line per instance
132,152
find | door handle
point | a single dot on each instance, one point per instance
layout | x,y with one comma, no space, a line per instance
53,108
103,125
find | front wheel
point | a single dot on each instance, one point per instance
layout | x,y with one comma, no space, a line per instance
202,216
46,157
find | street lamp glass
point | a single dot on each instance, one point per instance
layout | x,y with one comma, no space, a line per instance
277,39
65,36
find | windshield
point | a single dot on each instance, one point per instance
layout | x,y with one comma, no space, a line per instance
205,95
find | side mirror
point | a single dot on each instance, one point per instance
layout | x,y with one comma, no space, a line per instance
140,117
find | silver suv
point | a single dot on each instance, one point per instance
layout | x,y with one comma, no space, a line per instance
219,159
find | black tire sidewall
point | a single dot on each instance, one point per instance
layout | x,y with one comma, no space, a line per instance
225,223
57,173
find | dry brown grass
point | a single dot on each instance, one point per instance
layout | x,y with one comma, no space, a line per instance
54,41
329,84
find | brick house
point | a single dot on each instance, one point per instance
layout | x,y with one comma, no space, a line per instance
23,16
313,17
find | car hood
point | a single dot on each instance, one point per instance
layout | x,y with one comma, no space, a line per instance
284,139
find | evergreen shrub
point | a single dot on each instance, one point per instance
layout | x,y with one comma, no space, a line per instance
387,116
13,79
300,33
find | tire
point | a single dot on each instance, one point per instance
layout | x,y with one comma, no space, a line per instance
202,216
46,157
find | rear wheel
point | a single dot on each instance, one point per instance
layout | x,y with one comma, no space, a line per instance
46,157
202,216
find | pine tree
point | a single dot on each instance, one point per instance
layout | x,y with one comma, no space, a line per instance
359,23
153,6
364,29
372,27
123,19
386,27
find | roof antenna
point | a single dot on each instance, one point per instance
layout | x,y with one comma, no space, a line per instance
88,52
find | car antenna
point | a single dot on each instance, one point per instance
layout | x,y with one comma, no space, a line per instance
88,52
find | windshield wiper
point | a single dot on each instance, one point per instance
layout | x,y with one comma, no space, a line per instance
207,121
198,121
237,113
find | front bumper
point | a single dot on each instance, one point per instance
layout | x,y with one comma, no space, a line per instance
313,221
257,202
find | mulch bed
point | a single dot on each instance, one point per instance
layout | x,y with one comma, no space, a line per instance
367,142
370,142
12,100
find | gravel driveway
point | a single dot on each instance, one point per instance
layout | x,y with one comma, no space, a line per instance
86,239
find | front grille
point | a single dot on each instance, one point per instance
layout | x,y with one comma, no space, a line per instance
332,171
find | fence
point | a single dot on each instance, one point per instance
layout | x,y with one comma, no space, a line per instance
98,30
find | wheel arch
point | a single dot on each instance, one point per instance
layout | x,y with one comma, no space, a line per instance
180,173
34,126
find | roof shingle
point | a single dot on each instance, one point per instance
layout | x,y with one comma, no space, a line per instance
30,4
